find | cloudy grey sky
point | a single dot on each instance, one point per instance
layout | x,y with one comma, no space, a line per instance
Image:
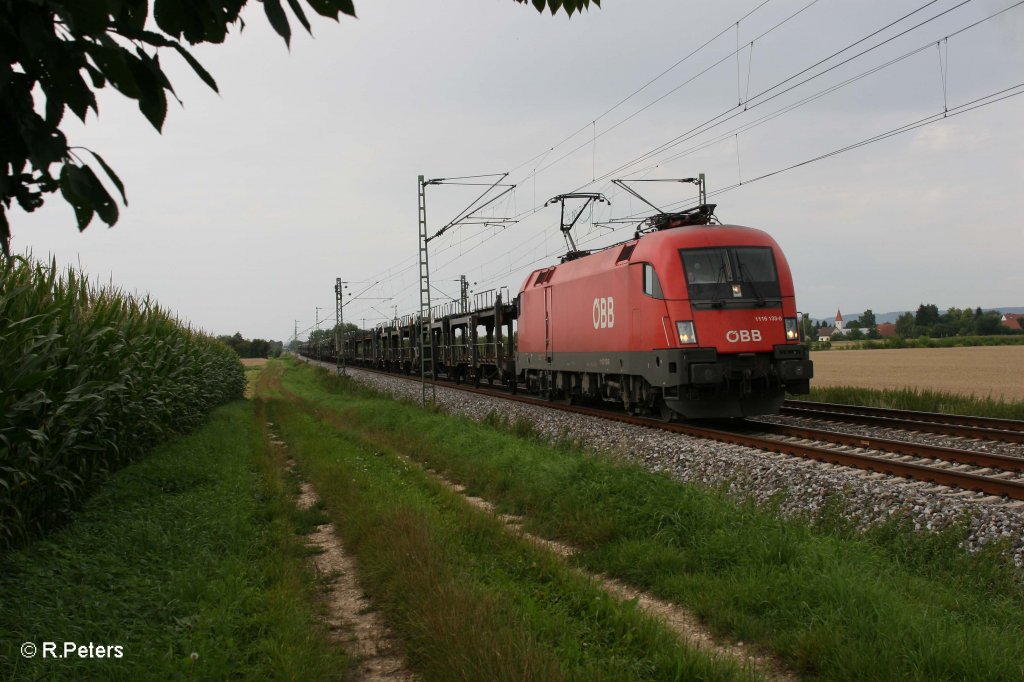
303,169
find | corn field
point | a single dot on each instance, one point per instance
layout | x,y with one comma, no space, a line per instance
90,378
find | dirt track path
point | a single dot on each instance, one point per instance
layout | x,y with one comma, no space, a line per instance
685,624
354,624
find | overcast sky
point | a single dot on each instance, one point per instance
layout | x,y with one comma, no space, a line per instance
250,204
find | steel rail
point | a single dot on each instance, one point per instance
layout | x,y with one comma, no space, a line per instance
938,417
908,421
973,457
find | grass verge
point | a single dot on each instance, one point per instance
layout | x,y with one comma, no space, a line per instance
470,600
890,604
192,549
921,400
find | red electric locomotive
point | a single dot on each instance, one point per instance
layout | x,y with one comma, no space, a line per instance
696,320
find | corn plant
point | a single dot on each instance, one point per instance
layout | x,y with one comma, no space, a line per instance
90,378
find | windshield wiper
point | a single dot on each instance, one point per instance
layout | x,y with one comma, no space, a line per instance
716,300
753,287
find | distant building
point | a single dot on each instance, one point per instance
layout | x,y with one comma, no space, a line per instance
828,333
1012,321
886,330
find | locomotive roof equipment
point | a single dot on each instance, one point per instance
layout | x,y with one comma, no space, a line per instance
566,227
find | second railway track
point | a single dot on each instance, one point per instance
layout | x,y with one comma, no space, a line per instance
962,468
961,426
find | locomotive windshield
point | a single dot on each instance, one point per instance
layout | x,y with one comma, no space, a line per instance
731,276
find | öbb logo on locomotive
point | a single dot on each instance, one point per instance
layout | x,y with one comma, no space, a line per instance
744,335
604,312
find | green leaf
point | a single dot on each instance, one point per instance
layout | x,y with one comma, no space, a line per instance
98,81
5,233
197,67
102,202
170,16
45,145
71,185
175,17
569,6
113,62
278,19
330,8
54,111
347,7
155,109
111,174
152,101
76,93
297,8
133,13
87,16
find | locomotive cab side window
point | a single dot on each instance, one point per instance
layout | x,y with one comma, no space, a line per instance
652,286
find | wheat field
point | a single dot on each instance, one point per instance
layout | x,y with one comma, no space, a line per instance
985,371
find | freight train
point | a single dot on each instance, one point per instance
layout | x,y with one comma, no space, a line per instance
687,319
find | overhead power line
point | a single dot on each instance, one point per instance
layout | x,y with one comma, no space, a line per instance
711,122
643,87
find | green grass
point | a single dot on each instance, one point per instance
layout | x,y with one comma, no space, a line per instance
193,549
891,604
470,600
922,400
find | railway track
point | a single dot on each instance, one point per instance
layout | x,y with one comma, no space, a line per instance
977,428
981,472
963,468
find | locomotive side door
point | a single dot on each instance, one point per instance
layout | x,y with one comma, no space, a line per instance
547,324
635,283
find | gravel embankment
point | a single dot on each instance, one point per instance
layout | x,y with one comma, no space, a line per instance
747,473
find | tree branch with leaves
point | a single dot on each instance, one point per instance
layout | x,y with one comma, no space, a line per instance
55,55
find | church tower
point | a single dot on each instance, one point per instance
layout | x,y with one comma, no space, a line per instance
839,322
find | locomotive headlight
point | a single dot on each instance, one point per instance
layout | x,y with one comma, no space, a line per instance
792,334
687,335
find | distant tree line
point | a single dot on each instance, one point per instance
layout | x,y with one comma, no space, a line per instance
256,348
954,322
927,321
